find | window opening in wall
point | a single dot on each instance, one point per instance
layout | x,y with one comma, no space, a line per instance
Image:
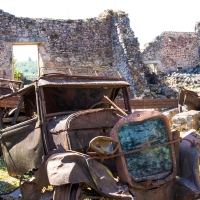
179,67
171,39
25,63
153,68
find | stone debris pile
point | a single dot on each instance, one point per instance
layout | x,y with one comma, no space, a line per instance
189,81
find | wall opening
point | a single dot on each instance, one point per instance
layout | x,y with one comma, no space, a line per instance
25,62
152,67
171,39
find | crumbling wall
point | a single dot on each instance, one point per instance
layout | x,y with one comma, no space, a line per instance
6,68
197,31
126,54
172,50
89,46
62,43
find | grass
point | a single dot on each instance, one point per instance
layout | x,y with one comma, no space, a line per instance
7,183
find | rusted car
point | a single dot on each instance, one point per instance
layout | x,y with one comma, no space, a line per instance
79,144
188,100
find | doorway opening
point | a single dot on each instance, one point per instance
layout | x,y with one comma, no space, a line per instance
152,67
25,62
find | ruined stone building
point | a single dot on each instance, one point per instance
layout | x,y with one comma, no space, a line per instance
92,45
172,51
97,46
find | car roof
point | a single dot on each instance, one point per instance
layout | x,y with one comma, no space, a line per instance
81,81
65,80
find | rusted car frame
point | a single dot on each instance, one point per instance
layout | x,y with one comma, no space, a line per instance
38,114
188,100
76,140
6,87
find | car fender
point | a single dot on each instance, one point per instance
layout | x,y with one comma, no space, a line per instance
73,167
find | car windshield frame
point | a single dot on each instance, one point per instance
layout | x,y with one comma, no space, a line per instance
82,82
111,93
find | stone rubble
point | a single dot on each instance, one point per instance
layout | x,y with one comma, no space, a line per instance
186,120
189,79
167,85
170,114
183,121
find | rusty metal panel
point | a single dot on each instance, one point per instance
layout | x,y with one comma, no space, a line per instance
165,192
105,182
4,91
20,92
82,81
22,147
189,181
189,99
11,102
9,83
32,189
182,93
8,87
83,126
71,167
149,103
62,192
56,129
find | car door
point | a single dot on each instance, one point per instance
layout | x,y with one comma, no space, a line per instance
21,137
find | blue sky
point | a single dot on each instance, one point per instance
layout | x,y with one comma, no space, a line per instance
148,18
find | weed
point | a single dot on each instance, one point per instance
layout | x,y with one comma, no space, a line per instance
7,183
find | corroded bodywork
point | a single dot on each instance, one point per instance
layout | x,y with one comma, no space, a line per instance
6,87
75,140
188,100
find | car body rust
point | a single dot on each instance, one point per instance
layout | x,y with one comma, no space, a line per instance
67,131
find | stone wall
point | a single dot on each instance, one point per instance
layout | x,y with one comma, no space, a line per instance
186,120
197,31
90,46
126,54
171,51
188,78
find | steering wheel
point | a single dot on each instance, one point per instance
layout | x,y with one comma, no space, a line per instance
110,102
101,102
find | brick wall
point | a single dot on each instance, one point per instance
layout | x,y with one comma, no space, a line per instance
172,50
